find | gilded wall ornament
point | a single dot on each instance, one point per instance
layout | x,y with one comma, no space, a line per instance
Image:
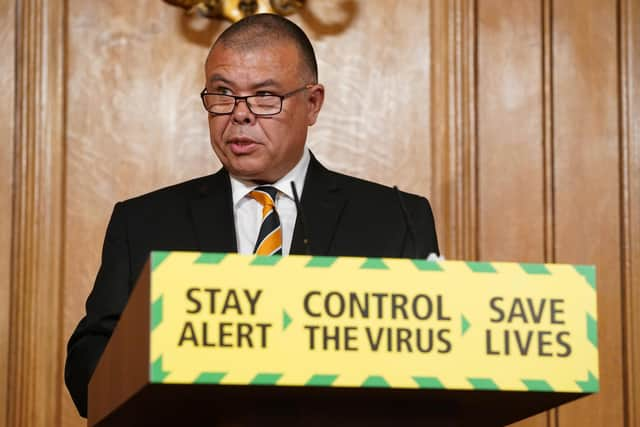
235,10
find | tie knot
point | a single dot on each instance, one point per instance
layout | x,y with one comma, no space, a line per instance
265,195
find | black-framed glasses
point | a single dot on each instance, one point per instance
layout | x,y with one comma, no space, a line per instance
260,105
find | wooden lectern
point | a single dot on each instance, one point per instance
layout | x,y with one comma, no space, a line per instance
132,387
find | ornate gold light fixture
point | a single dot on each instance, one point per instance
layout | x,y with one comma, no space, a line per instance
235,10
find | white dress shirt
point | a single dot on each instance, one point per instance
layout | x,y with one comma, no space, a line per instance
247,212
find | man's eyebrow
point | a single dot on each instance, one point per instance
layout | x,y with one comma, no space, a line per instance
265,83
219,78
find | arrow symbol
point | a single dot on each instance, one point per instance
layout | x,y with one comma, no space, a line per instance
286,320
465,324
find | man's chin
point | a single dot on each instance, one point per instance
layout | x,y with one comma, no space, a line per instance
252,168
254,174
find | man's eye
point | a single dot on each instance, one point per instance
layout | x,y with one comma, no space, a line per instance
264,93
222,90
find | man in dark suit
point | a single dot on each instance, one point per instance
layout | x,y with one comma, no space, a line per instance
262,94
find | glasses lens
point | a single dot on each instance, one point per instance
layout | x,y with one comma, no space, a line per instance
264,104
219,104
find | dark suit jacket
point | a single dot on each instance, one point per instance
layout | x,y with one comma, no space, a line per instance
343,215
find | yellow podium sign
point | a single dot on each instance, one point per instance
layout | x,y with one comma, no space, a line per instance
372,322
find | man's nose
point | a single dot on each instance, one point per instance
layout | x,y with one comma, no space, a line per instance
241,113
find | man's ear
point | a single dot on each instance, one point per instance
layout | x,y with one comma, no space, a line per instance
315,101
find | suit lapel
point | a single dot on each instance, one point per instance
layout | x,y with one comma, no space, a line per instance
212,213
322,204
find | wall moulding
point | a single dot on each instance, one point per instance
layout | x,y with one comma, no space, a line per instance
454,135
35,342
629,63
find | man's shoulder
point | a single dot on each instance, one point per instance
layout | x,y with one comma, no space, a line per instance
360,188
182,191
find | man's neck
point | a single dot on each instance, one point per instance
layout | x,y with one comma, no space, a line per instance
241,187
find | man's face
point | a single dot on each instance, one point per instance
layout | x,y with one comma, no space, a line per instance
261,148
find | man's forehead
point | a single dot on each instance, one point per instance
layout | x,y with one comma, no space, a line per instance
253,83
260,50
263,66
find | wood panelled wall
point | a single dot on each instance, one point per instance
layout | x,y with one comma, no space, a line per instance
7,87
519,119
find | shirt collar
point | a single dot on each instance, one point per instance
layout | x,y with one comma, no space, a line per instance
240,188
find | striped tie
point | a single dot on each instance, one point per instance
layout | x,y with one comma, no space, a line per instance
270,237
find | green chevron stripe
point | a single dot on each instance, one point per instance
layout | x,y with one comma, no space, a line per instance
157,374
534,268
591,385
481,267
210,378
210,258
428,382
156,312
483,384
589,273
265,378
321,261
319,380
424,265
537,385
266,260
375,381
465,324
286,320
374,264
592,330
157,257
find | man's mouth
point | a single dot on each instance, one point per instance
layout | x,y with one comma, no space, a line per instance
242,145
